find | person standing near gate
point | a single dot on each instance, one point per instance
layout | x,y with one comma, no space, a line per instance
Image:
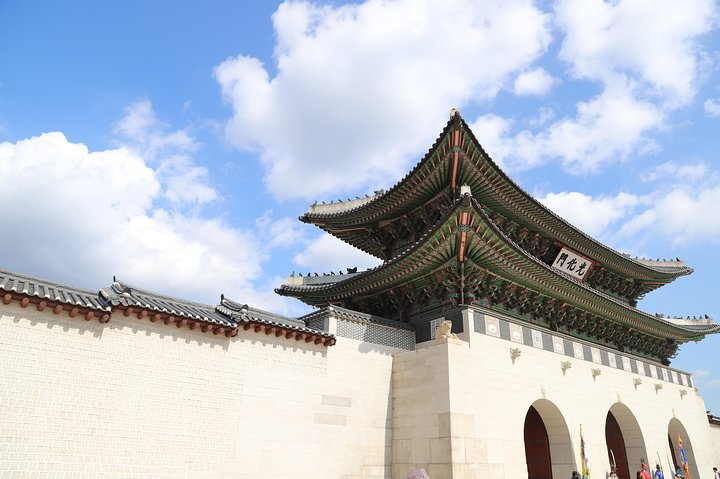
658,472
644,474
716,474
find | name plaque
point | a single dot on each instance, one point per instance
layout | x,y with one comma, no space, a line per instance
572,263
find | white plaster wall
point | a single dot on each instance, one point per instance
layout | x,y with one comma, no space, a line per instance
487,397
715,434
136,399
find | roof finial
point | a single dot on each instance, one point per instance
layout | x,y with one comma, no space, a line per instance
454,112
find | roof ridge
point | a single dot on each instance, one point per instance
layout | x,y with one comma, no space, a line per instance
49,282
394,187
134,289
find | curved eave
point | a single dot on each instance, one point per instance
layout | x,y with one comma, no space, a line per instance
423,183
491,249
494,189
539,217
386,205
426,254
526,269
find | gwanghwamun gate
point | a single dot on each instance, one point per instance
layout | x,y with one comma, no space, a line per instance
463,354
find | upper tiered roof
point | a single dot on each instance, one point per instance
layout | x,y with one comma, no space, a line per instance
387,222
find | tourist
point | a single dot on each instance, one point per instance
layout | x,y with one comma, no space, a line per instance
644,474
613,474
658,472
575,475
716,474
679,474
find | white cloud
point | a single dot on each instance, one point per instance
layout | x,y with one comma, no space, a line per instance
676,172
644,73
609,127
592,215
653,41
676,213
357,85
327,253
671,210
533,82
280,232
81,217
142,132
712,107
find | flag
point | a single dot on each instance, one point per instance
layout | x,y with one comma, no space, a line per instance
683,459
583,457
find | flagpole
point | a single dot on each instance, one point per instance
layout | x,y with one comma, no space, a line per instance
583,457
683,458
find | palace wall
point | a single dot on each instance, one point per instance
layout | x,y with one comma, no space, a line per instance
460,406
135,399
132,398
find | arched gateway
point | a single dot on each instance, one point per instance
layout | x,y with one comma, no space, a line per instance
548,448
676,434
624,439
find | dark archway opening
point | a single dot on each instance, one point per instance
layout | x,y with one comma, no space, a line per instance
537,446
616,447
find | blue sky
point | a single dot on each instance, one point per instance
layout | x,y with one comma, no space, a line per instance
174,144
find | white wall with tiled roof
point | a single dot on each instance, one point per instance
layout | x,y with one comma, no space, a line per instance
136,399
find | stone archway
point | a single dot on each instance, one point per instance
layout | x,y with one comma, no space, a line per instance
548,447
675,429
624,441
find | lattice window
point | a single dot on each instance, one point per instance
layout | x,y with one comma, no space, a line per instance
376,334
434,325
317,324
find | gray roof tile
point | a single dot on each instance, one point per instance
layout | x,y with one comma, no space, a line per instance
123,294
22,284
242,313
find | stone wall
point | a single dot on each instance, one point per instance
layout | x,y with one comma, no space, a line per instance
136,399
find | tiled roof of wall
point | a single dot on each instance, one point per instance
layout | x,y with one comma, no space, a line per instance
12,282
225,317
